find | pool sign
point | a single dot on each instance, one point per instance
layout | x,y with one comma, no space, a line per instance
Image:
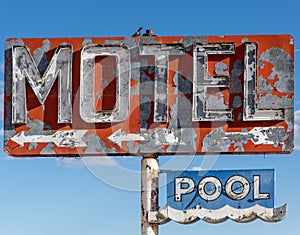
239,189
149,94
216,196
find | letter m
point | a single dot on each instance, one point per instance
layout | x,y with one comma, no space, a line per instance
24,67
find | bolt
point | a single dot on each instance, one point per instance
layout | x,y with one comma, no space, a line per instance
149,32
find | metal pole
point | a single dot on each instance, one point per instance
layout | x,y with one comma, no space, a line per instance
149,193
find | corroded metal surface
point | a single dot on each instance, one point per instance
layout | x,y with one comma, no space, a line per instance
149,193
149,94
218,216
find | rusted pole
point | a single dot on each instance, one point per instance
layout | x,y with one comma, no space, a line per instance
149,193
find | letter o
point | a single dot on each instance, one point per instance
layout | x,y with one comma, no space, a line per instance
232,193
210,196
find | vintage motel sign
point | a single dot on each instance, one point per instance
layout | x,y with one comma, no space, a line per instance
149,94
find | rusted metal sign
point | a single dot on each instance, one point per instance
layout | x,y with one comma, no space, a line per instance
149,94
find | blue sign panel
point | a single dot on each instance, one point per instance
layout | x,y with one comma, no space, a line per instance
216,189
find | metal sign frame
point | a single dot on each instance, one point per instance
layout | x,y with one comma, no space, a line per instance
149,94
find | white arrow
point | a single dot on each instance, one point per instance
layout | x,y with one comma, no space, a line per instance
68,138
168,135
258,135
118,137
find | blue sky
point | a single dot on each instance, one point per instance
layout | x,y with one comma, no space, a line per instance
64,196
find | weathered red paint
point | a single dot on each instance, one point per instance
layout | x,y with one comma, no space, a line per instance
48,113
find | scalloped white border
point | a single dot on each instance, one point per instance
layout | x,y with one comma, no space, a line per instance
218,216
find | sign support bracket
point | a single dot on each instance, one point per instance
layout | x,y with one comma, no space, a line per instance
149,193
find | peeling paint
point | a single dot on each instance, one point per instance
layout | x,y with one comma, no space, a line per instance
105,83
147,85
214,102
289,119
8,67
133,147
218,216
146,88
48,150
40,55
10,129
183,85
37,127
256,109
239,140
189,40
87,41
221,69
149,192
135,75
188,136
145,111
33,146
240,116
181,120
235,81
153,145
96,145
245,40
274,102
219,141
277,135
148,40
289,144
17,42
161,54
237,102
213,142
262,85
283,68
129,42
181,113
202,81
87,110
25,68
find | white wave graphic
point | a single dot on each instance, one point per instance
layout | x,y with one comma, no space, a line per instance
218,216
